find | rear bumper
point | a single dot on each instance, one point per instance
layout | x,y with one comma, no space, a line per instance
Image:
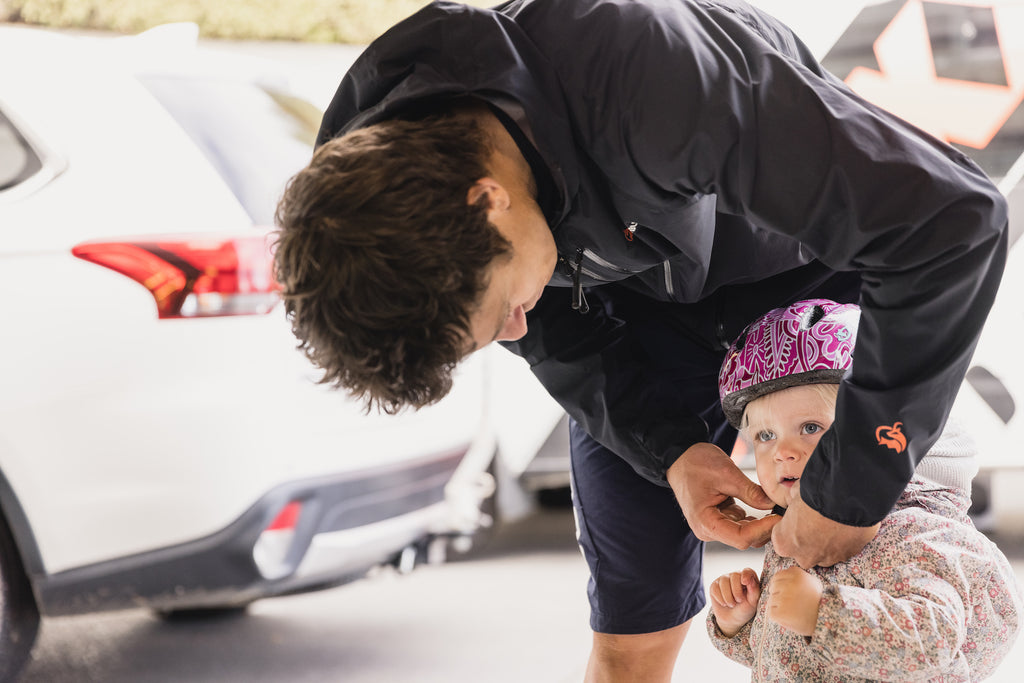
347,525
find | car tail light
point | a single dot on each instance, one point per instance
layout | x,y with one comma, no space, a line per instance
194,276
287,518
271,553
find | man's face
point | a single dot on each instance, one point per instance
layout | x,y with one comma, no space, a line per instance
784,427
515,281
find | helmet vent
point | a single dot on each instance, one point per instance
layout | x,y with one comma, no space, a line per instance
811,317
741,341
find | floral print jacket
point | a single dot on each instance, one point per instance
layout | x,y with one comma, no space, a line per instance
930,598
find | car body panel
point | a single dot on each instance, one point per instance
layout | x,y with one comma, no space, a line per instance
126,439
348,522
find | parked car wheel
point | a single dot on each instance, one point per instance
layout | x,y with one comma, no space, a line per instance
19,616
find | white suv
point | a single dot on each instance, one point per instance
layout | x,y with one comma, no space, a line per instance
162,442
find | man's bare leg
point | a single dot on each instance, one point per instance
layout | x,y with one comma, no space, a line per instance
641,658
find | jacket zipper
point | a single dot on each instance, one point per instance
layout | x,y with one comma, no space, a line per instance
579,300
575,270
607,265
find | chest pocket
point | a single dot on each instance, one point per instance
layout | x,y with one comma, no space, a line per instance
682,235
610,237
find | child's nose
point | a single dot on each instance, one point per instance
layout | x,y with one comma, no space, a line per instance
788,450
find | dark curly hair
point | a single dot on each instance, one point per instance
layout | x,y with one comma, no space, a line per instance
382,260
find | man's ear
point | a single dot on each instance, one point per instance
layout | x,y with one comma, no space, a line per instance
497,196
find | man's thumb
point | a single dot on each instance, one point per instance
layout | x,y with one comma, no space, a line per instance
754,496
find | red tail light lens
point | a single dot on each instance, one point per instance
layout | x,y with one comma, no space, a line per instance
272,550
287,518
193,277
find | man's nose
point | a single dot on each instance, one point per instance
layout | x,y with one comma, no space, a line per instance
514,327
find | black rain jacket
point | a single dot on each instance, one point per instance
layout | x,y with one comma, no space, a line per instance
697,151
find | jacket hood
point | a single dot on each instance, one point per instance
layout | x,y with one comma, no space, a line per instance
431,58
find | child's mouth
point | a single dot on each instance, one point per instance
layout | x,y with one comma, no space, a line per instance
788,481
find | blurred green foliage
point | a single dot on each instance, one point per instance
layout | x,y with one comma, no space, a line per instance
339,21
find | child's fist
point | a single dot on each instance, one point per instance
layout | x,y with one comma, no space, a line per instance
793,599
734,600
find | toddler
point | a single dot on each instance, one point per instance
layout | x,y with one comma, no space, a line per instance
929,598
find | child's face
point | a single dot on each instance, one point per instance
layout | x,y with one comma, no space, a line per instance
784,427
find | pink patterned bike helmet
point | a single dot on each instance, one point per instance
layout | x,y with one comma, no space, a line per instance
809,342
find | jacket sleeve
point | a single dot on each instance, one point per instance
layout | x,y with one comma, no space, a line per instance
909,615
736,648
714,98
933,590
914,625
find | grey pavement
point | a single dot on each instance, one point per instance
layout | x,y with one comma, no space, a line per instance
513,611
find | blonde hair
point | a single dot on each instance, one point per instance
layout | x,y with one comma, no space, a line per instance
826,392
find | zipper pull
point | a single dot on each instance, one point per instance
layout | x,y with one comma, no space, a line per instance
630,230
579,301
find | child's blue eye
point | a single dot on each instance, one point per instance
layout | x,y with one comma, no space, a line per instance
764,435
812,428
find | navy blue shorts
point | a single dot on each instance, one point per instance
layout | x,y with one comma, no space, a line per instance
645,563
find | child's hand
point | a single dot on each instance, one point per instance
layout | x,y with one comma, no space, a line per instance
734,600
793,599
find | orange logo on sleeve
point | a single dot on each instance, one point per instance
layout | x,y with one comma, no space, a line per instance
892,437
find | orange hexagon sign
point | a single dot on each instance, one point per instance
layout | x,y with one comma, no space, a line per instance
952,68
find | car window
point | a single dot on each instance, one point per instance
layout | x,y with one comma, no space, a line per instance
255,136
18,161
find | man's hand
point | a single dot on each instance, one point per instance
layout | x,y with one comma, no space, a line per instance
793,599
734,600
814,540
706,482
